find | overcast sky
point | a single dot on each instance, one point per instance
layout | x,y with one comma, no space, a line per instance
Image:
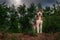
28,2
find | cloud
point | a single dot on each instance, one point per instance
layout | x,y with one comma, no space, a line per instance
28,2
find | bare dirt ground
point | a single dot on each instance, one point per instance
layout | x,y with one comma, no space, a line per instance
20,36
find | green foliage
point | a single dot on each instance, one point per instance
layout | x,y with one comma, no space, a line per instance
9,22
51,21
3,16
21,9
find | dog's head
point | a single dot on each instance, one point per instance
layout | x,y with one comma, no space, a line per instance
39,12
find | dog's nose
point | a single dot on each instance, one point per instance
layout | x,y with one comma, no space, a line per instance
39,14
